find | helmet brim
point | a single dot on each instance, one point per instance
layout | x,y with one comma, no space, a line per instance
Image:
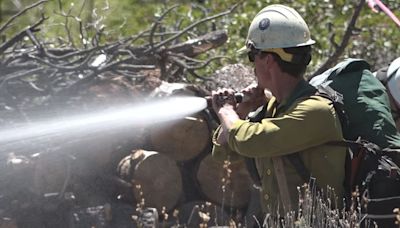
242,50
245,49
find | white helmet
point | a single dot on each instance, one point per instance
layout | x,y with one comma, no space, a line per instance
393,79
276,27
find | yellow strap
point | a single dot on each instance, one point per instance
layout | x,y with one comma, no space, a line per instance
279,51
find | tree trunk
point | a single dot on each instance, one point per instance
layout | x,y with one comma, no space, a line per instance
156,179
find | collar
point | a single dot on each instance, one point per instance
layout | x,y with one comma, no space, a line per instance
302,89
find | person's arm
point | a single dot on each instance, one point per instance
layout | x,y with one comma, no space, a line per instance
224,105
308,123
254,97
228,111
222,152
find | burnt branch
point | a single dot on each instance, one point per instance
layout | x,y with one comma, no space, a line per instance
197,66
11,19
194,47
157,23
62,69
19,75
21,35
193,25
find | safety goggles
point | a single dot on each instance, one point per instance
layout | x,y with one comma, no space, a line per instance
252,54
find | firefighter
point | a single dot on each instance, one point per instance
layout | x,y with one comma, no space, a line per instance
294,121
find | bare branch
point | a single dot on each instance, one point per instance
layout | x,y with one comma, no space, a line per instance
204,64
6,25
32,37
201,44
345,41
185,57
156,23
190,27
82,7
193,73
20,35
22,74
65,68
67,16
59,5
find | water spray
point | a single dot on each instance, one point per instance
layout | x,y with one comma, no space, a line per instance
114,118
131,116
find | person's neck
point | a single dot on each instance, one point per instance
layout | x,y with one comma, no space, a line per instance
286,86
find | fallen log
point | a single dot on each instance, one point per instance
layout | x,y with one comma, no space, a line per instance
225,183
181,140
155,178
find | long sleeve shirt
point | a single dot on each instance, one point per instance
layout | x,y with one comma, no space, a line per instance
303,123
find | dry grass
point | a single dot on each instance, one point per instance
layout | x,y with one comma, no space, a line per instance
315,209
320,208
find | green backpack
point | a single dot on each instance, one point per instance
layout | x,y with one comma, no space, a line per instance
365,102
371,137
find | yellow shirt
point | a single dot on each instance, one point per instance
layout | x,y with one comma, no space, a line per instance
302,123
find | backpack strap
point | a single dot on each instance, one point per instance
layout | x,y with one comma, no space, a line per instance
324,90
250,162
354,157
298,164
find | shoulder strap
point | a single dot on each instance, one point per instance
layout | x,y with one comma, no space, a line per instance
324,90
250,162
298,164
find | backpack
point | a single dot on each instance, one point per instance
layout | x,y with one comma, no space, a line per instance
366,102
371,137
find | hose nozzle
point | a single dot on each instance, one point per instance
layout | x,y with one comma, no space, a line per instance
239,97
